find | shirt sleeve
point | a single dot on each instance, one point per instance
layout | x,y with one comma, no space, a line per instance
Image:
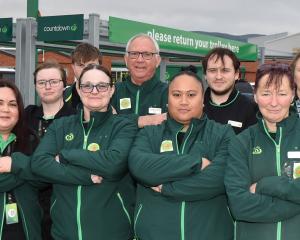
110,163
152,169
207,183
280,187
44,164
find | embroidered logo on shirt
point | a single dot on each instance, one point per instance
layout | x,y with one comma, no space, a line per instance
125,103
69,137
93,147
166,146
257,150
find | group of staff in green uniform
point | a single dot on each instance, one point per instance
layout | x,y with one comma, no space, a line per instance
147,160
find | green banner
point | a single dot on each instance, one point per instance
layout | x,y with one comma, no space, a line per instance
60,28
6,25
121,30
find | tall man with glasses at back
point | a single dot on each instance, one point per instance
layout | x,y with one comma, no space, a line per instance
222,102
50,80
142,95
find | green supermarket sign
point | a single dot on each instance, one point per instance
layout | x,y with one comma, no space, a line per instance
121,30
60,28
6,25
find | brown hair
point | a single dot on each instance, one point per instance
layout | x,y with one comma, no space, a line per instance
51,64
98,67
220,53
22,132
85,52
275,74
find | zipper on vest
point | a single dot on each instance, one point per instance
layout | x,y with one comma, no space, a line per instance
182,208
278,169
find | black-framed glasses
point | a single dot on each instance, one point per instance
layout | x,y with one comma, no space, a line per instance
145,55
52,83
100,87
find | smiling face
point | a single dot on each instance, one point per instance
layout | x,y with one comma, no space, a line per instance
9,113
141,69
49,93
185,99
95,100
274,101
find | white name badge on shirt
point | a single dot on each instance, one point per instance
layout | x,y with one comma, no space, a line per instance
153,110
293,154
235,123
125,103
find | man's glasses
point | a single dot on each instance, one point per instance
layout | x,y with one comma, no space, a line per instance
100,87
145,55
52,83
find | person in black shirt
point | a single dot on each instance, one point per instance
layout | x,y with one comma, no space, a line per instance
49,79
222,102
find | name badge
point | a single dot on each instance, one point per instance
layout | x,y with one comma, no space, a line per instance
166,146
125,103
11,213
235,123
293,154
296,170
153,110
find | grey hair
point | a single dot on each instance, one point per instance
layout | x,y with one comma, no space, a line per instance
145,36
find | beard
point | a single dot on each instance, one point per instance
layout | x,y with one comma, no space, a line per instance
222,92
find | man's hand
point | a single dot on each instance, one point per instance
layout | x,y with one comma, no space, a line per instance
157,188
252,188
205,163
96,179
148,120
5,164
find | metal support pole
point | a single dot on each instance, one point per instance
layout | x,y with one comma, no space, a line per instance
26,58
32,8
94,29
262,51
163,70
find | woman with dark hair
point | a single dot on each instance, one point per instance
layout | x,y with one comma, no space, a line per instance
179,167
20,211
262,177
86,201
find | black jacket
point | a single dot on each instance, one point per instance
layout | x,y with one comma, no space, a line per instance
238,111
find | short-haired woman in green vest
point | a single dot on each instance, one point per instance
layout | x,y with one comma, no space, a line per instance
262,177
85,157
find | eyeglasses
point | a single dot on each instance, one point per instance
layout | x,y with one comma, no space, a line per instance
100,87
52,83
145,55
